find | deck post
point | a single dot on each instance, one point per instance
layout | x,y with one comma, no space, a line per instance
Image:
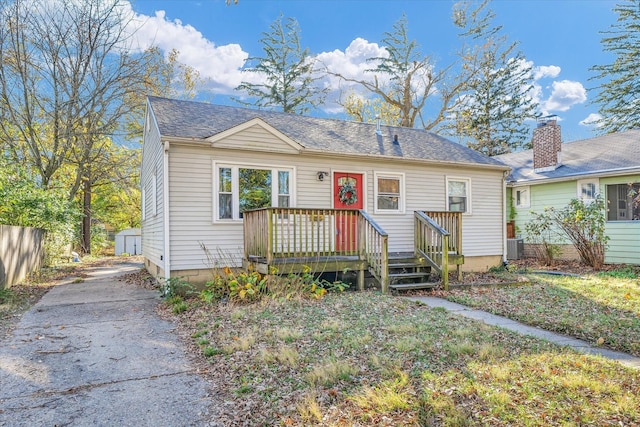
362,249
385,265
269,248
445,262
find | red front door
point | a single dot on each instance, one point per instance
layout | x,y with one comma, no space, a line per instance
347,194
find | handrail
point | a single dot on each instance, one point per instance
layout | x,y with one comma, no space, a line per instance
432,242
452,222
375,249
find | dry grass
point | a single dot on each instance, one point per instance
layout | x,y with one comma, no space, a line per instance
362,359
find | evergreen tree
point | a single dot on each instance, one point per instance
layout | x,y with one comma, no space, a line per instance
286,72
619,93
497,101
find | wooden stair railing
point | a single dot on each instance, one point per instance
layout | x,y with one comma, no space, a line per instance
374,248
432,243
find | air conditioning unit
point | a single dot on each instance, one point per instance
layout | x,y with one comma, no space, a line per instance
515,248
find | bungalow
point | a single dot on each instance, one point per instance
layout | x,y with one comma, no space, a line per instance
553,173
234,186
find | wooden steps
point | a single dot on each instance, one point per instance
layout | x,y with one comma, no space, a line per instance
408,272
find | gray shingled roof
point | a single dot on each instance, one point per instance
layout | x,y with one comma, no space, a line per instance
188,119
600,155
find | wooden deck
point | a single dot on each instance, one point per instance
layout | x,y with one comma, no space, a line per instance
290,240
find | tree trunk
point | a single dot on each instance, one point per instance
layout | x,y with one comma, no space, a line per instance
86,219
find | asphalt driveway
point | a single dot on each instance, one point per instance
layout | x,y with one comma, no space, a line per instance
95,354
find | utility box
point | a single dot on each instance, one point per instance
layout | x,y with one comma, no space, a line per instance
515,248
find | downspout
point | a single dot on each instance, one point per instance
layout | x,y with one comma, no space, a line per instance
165,201
505,174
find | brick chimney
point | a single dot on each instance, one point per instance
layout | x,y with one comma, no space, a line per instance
547,143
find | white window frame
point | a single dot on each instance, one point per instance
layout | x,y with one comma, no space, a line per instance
401,196
581,183
527,200
467,182
235,186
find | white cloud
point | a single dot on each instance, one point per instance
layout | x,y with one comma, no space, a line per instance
591,120
550,71
220,64
351,64
564,95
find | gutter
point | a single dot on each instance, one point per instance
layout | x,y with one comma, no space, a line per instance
165,213
570,177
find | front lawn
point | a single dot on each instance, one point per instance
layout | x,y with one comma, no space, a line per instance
363,359
601,308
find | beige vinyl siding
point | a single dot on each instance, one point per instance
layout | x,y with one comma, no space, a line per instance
152,227
192,216
255,138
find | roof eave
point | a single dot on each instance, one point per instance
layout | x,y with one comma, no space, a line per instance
573,176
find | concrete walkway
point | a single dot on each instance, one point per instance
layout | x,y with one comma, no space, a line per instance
95,354
512,325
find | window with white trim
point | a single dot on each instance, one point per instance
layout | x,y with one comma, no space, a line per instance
389,190
622,202
521,197
459,195
240,188
588,189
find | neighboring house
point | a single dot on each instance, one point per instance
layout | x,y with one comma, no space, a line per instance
206,166
553,173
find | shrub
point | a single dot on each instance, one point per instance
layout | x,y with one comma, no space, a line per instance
251,286
541,232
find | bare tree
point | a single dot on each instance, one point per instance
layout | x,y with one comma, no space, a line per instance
65,70
407,80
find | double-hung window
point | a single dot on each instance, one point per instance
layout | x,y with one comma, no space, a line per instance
588,189
459,195
241,188
521,197
389,190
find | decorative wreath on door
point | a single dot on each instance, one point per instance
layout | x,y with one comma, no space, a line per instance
348,194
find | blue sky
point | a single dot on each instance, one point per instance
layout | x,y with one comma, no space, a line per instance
560,39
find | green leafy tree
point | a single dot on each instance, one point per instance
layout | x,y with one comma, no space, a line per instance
26,204
286,72
497,99
619,89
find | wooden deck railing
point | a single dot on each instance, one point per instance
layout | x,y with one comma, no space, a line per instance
432,242
279,233
452,222
375,249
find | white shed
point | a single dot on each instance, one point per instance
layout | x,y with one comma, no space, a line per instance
129,241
